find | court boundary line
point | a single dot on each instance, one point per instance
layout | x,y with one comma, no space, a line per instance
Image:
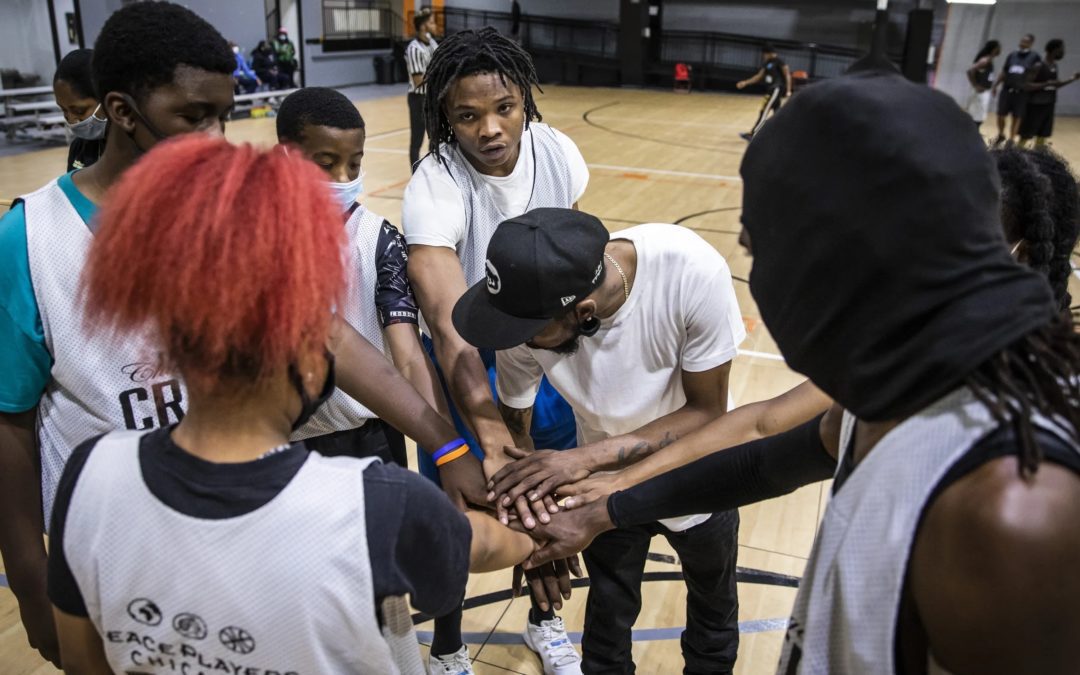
706,148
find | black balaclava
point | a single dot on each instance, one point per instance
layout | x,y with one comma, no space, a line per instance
880,266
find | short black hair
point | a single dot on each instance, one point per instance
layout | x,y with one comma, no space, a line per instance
75,70
467,53
1030,36
420,19
318,106
141,45
1054,45
767,48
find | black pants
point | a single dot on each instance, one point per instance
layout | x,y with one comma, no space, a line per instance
376,438
416,127
772,102
616,563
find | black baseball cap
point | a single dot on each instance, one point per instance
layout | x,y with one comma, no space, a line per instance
538,265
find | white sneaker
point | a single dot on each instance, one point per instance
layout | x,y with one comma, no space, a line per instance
551,642
457,663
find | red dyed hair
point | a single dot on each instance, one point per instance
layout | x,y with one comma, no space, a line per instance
230,256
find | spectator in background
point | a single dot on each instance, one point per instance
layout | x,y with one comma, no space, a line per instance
981,77
1019,67
83,116
265,66
1038,123
246,80
417,56
285,51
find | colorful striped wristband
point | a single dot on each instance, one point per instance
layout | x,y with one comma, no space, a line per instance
451,456
447,449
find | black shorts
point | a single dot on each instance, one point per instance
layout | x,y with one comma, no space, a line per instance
1038,121
375,438
1012,102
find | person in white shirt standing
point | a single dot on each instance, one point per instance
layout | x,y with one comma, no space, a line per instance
490,159
656,307
417,56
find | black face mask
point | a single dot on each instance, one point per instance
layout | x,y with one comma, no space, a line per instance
146,123
883,274
309,405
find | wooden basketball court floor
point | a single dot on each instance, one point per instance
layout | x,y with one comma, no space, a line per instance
653,157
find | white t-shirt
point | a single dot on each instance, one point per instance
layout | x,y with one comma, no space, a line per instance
682,315
433,213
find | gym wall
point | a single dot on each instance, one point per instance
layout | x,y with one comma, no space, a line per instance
968,27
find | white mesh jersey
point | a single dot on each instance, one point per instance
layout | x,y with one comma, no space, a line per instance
845,615
341,411
99,381
286,588
552,187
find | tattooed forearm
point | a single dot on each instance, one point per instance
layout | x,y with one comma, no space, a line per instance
517,421
626,456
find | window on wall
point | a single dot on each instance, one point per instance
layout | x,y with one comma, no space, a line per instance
356,24
351,18
273,18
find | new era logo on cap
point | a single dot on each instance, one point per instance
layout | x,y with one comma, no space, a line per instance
494,283
567,299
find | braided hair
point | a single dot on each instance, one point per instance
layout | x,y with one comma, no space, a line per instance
468,53
1026,195
1041,205
1065,214
1040,372
1037,373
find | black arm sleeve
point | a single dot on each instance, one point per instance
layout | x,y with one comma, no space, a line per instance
63,592
418,542
394,299
727,479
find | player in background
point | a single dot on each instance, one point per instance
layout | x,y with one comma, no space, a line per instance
1038,123
73,89
981,77
777,78
1014,77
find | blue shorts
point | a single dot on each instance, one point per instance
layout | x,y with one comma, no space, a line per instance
553,425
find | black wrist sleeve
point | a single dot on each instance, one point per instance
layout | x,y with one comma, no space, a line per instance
727,479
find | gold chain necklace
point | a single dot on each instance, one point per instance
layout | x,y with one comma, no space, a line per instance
625,283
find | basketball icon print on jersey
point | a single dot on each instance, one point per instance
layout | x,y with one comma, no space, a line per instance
149,404
149,644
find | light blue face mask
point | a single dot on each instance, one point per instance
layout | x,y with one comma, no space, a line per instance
346,193
90,129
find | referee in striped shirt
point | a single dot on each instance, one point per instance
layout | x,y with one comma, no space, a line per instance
417,56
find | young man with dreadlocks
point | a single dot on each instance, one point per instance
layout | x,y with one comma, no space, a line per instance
490,160
950,538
